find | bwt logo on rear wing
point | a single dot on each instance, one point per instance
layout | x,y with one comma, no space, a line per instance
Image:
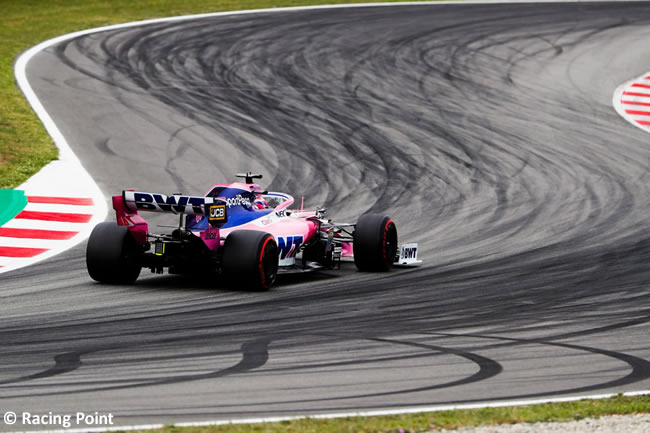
178,204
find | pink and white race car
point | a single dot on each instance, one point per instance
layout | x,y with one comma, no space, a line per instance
239,232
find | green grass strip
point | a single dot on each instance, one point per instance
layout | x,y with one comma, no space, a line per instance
25,147
432,421
12,201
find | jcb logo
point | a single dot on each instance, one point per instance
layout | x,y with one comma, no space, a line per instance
217,213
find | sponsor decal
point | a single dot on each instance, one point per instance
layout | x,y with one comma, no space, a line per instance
408,253
238,200
217,213
289,245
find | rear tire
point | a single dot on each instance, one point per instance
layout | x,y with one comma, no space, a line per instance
250,259
375,243
107,254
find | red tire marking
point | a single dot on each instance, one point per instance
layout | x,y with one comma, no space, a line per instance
54,216
385,236
61,200
643,122
35,234
637,112
643,86
261,264
20,251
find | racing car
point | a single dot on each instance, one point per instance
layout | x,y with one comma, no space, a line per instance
238,232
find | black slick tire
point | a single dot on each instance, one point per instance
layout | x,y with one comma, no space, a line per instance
107,254
250,259
374,243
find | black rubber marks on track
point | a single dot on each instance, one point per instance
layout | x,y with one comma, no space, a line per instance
640,368
255,354
63,363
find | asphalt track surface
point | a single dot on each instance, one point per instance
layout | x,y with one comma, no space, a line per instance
486,131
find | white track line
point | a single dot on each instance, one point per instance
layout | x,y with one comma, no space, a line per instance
66,154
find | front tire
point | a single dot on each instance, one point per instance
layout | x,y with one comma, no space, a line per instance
108,254
250,259
375,243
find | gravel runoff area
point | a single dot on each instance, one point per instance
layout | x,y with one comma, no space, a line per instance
638,423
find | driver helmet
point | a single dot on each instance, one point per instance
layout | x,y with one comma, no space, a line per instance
260,203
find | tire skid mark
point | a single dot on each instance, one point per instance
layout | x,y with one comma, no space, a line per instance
487,368
254,355
640,367
63,363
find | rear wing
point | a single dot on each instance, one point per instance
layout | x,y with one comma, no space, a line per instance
130,203
178,204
